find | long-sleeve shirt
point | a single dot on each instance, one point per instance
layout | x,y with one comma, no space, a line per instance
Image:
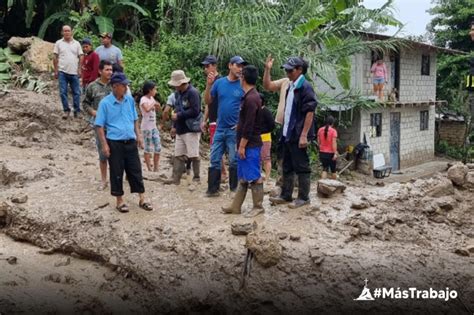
90,68
379,71
249,126
187,105
95,92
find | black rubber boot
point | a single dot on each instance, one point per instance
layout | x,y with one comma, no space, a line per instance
213,182
196,163
236,205
304,185
233,180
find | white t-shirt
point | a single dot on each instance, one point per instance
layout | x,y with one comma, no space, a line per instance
68,55
148,118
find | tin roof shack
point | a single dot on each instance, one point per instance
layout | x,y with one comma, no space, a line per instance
451,128
403,126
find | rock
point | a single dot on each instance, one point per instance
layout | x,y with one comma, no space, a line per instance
470,248
20,44
265,246
63,262
295,238
5,210
379,225
359,204
32,128
470,179
470,166
328,187
316,206
446,203
113,260
243,227
461,252
20,198
53,277
316,256
282,235
362,228
457,174
12,260
443,188
39,56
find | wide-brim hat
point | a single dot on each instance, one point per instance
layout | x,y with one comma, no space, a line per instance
178,77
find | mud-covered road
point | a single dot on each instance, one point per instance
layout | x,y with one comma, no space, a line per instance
183,256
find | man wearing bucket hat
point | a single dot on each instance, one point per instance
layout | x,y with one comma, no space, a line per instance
298,130
108,51
228,93
117,114
187,123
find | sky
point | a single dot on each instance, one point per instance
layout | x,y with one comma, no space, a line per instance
412,13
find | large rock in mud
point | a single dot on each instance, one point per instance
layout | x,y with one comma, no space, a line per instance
328,187
39,56
5,210
20,44
444,187
265,246
457,174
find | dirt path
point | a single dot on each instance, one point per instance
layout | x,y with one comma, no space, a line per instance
185,254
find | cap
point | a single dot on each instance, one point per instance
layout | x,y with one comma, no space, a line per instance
238,60
106,34
209,60
86,41
119,77
292,63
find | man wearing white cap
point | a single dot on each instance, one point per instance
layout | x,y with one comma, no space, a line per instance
187,124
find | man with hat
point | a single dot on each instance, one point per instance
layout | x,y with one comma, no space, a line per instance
210,113
90,63
187,109
228,93
117,114
109,52
298,130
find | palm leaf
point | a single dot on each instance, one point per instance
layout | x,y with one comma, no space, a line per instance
58,16
105,24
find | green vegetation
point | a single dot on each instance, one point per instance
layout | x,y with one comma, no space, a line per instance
454,152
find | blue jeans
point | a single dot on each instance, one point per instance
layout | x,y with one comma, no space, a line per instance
73,80
224,139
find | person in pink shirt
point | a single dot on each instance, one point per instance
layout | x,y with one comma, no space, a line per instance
151,135
380,77
327,141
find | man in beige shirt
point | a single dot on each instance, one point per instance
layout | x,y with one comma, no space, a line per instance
67,63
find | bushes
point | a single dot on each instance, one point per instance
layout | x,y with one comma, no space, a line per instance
453,152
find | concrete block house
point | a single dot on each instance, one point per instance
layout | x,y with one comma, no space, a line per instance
402,129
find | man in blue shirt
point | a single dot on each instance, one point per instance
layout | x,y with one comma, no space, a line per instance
228,93
118,115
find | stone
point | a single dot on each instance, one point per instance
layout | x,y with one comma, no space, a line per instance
53,277
20,198
243,227
362,228
5,210
315,206
316,256
359,204
470,166
295,238
20,44
329,187
470,179
63,262
443,188
457,174
461,252
446,203
282,235
31,129
39,56
12,260
265,246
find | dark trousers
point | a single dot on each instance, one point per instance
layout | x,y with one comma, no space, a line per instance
295,160
124,156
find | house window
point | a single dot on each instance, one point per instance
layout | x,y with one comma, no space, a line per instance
376,125
425,65
424,120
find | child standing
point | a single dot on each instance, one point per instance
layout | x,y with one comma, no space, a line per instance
267,125
380,77
151,135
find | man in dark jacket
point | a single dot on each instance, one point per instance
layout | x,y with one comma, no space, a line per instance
187,107
298,130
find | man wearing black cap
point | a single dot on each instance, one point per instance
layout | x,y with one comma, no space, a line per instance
109,52
90,63
210,113
228,93
298,130
117,114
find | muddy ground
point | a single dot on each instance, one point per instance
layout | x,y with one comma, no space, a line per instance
183,257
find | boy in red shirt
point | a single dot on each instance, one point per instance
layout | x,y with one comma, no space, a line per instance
90,65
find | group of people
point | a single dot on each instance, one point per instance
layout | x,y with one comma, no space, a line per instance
235,115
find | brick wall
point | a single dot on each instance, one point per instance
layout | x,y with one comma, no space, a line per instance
416,146
452,132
